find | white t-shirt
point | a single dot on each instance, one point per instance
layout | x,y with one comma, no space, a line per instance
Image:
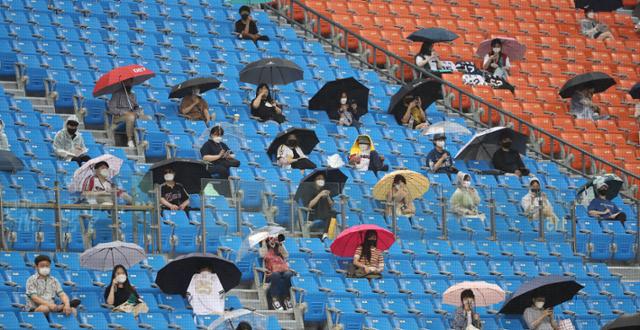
206,294
363,165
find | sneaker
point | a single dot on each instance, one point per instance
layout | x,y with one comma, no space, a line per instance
276,305
74,303
130,144
324,237
288,304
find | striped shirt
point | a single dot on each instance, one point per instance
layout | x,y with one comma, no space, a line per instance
377,260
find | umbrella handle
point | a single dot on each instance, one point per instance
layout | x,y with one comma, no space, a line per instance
127,94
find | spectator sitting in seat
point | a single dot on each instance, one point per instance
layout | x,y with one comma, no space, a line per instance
535,201
414,117
218,154
428,58
368,261
123,106
195,107
496,62
68,143
508,160
603,209
582,106
538,317
439,159
290,155
593,29
317,198
173,195
264,107
466,317
42,289
4,142
98,189
122,295
246,27
275,260
399,195
347,117
364,157
205,293
465,200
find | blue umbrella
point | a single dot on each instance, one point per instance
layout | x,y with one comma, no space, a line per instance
635,91
555,289
433,35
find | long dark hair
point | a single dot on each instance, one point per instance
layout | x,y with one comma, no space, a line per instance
426,48
496,42
269,99
367,244
126,285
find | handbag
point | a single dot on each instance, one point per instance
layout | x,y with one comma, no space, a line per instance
135,309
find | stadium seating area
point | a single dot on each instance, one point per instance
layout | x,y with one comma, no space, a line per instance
59,49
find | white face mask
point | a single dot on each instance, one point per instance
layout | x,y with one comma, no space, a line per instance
496,49
539,304
440,143
343,100
591,15
364,147
121,278
216,139
468,301
320,183
44,271
169,177
466,184
104,172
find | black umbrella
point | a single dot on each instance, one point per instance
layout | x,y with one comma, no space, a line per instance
175,276
433,35
307,140
189,173
9,162
624,322
328,97
587,192
599,81
271,71
598,5
484,144
555,289
428,90
635,90
185,88
333,177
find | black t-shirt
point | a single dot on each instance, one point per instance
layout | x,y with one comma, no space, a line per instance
211,148
176,195
507,161
120,295
323,210
264,112
240,25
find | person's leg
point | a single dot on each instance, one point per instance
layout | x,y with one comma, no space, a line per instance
276,290
622,217
206,116
263,38
42,309
221,171
130,122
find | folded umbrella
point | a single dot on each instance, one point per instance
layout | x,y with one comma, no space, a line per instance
417,184
112,80
189,173
105,256
486,294
231,319
347,242
428,90
635,91
328,97
175,276
624,322
510,47
588,191
598,5
256,237
185,88
333,177
87,170
599,81
484,144
555,289
433,35
271,71
446,128
9,162
307,140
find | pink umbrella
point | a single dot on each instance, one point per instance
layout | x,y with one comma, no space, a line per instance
486,294
510,47
347,242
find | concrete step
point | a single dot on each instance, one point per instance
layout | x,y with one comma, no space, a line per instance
629,273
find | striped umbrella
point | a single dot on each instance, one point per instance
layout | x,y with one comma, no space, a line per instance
105,256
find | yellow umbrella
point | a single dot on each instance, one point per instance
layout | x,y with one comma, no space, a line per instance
417,184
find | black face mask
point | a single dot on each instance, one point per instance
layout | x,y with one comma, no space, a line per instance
244,16
506,144
535,191
602,192
292,143
72,131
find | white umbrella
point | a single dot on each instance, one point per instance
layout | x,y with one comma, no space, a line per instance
86,170
230,320
256,237
105,256
446,127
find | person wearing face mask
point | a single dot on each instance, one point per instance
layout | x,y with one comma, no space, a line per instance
290,155
317,198
363,156
465,317
582,105
439,159
194,107
535,201
264,107
496,62
465,199
206,293
368,261
246,26
508,160
124,108
98,189
4,142
173,195
603,209
218,154
42,289
278,273
428,59
414,117
68,143
122,295
539,318
399,195
344,111
593,29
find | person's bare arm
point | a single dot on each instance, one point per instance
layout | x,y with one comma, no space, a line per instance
316,199
185,204
407,114
213,158
166,203
255,104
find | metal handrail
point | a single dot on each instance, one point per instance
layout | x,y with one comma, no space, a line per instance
320,20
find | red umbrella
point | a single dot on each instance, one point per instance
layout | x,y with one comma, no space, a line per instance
347,242
112,80
510,47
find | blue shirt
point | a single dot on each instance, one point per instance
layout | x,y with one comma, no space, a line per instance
433,157
602,204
